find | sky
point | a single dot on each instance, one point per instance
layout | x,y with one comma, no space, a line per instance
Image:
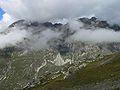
45,10
5,19
1,13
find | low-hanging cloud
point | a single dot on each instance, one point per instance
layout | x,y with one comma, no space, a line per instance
45,10
26,39
96,35
40,40
12,38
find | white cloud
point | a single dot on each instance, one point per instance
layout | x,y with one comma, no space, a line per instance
12,38
40,41
98,35
7,20
44,10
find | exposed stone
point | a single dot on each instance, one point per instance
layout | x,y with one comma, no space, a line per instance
58,61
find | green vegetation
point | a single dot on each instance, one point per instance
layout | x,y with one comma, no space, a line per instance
107,68
18,70
7,52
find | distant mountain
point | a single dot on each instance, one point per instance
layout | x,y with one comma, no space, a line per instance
91,22
94,22
63,64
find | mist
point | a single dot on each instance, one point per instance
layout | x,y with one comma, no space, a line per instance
40,40
95,35
12,38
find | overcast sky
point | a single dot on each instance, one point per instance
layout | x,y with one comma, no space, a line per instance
45,10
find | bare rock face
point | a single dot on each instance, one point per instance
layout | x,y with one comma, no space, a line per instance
58,61
94,22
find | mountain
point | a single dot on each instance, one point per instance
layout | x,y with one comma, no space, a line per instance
62,63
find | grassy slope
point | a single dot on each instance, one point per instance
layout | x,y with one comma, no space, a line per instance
107,68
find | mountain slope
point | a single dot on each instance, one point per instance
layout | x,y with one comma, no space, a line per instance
48,58
101,74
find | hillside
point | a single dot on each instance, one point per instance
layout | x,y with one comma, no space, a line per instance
102,74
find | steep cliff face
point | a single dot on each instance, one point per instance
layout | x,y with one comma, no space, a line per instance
27,65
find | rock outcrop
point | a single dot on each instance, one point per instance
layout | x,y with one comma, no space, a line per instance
58,61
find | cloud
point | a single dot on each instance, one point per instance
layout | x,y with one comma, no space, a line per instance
45,10
40,40
25,38
12,38
96,35
7,20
